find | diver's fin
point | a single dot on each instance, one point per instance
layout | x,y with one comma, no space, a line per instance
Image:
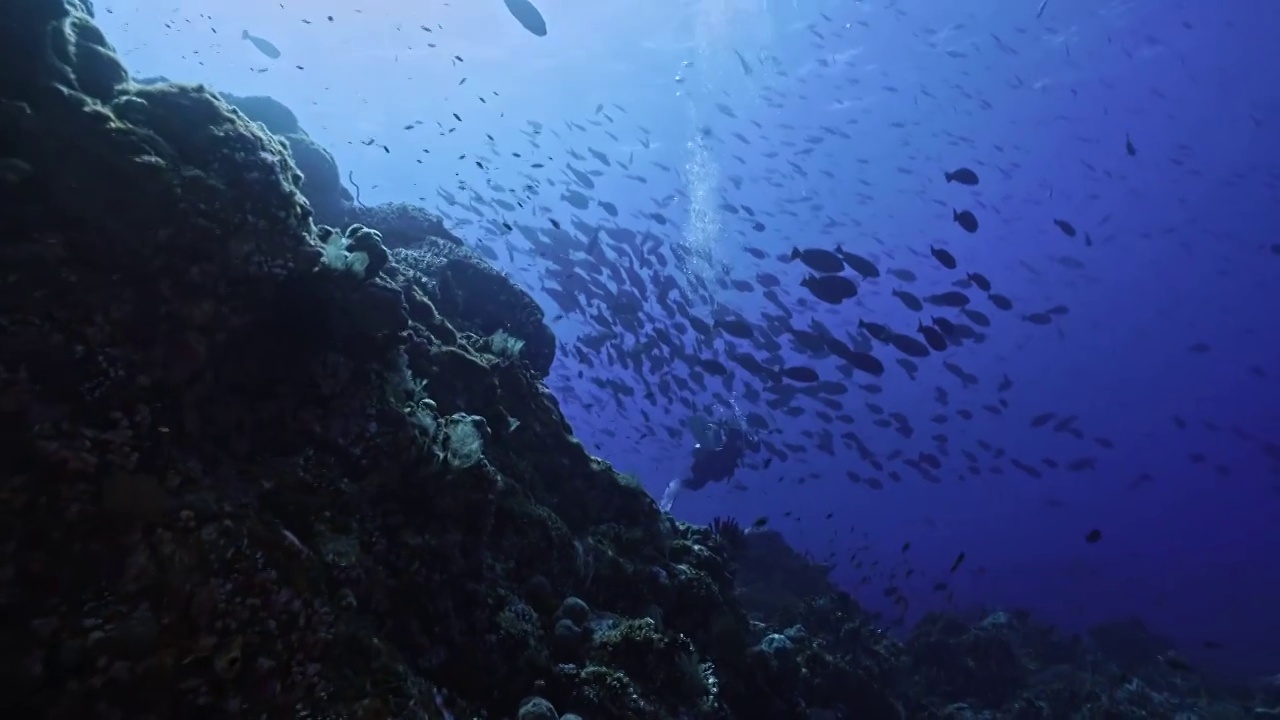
669,497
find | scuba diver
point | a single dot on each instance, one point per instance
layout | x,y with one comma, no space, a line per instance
717,455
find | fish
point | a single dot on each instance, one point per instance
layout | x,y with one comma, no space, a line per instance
867,363
528,15
818,260
876,330
858,264
966,220
932,336
947,259
264,46
980,281
800,373
740,329
831,289
713,367
909,300
950,298
963,175
1000,301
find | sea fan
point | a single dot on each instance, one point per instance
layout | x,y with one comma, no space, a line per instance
728,531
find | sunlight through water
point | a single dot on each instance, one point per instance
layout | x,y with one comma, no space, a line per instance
720,25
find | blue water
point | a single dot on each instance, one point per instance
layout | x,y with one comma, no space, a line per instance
1040,107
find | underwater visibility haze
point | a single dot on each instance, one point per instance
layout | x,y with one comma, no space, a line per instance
983,294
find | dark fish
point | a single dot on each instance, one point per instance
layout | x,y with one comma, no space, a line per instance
980,280
959,561
977,318
1000,301
947,259
933,336
950,298
830,289
858,264
876,330
800,373
911,301
1128,146
823,261
1094,536
1042,419
740,329
528,15
768,280
264,46
966,220
909,346
1067,228
867,363
713,367
963,175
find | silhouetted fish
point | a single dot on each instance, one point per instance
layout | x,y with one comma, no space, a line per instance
528,15
264,46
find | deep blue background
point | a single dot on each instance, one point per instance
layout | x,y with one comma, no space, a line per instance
1039,106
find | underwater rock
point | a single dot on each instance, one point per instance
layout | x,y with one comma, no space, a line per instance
275,115
321,184
475,297
767,565
1129,641
402,225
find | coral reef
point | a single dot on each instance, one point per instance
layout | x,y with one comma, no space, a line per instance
258,466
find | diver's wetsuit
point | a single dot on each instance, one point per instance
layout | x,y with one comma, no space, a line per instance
717,464
712,464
